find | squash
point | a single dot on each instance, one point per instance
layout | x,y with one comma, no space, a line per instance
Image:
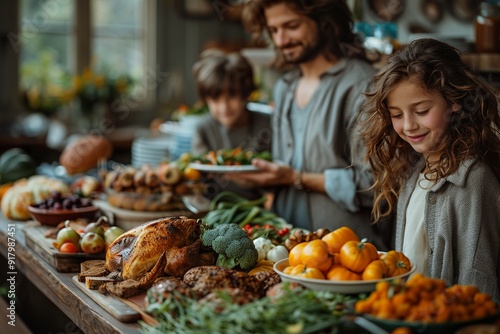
376,269
397,263
315,255
340,273
15,164
336,239
3,189
307,272
356,255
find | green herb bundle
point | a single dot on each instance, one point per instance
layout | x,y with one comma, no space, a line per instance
296,311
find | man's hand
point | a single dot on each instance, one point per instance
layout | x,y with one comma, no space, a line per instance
270,174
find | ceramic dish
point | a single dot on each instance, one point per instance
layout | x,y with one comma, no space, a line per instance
135,201
335,286
223,168
429,328
128,219
54,217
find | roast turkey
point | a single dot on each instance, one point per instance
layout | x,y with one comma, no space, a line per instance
137,251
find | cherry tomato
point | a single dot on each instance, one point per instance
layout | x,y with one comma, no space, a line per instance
268,226
68,247
284,231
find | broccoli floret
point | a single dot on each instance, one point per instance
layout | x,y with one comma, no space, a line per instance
209,237
219,244
233,246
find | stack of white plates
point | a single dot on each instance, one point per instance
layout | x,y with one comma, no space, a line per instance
182,144
151,151
181,134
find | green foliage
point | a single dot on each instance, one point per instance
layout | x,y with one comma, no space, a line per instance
45,84
15,164
295,311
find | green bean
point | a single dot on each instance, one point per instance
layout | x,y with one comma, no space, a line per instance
254,212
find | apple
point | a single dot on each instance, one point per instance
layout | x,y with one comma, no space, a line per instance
92,243
67,234
111,234
94,227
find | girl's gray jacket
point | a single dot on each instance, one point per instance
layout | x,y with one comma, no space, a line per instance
462,224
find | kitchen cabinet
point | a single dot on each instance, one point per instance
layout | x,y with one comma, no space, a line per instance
487,65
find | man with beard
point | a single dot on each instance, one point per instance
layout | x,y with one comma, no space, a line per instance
320,180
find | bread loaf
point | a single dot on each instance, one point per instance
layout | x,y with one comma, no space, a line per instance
84,153
25,192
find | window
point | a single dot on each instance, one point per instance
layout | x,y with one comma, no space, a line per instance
59,39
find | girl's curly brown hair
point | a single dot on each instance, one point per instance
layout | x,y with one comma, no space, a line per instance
474,131
333,17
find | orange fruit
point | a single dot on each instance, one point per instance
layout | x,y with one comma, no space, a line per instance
191,174
68,247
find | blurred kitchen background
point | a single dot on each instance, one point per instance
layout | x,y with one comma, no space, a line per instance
122,68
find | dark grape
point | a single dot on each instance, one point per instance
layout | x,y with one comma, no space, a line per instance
66,203
57,201
56,195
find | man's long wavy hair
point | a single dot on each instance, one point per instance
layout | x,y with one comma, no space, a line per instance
333,18
473,131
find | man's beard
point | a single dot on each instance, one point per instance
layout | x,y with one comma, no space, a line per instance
308,53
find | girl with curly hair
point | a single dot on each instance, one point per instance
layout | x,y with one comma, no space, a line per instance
432,134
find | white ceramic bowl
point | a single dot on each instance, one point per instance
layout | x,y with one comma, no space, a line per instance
335,286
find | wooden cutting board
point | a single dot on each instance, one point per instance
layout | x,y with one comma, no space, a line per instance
114,305
63,262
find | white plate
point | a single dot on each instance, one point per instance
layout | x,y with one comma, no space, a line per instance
128,219
335,286
223,169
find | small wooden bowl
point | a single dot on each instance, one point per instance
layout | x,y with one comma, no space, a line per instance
54,217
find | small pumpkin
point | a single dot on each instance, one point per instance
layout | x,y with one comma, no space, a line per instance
376,269
295,253
4,188
260,268
397,263
356,255
336,259
306,272
341,273
336,239
315,254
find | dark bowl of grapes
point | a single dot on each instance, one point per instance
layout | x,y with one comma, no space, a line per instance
59,208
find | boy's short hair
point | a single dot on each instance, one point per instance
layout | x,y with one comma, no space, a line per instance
218,73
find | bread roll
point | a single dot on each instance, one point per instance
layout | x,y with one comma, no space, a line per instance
84,153
25,192
16,201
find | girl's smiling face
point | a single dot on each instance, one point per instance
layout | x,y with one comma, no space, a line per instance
419,117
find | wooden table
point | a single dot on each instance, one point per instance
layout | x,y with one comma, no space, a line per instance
58,287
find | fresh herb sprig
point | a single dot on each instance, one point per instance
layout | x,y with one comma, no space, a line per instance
296,311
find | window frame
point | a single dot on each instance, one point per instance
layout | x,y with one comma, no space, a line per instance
82,40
